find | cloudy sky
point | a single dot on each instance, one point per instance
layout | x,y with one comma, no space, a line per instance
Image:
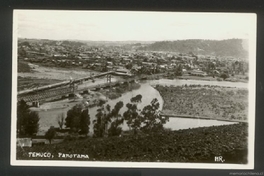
125,25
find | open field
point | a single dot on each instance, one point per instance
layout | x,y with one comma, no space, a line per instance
41,72
207,101
30,82
192,145
23,67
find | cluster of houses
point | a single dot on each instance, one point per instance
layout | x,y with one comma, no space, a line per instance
105,59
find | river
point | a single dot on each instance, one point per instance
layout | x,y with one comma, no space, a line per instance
49,118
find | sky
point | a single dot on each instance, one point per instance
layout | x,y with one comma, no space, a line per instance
131,26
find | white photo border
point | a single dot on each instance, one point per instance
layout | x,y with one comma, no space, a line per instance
251,116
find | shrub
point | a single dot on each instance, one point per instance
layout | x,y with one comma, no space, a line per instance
50,134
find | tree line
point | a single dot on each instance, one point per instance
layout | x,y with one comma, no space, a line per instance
108,121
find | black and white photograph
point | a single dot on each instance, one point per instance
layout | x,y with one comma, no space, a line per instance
133,89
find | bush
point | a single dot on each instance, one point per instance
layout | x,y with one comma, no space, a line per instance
224,76
50,134
219,79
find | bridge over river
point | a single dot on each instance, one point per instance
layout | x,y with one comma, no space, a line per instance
68,88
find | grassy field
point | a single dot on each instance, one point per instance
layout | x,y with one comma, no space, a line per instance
208,101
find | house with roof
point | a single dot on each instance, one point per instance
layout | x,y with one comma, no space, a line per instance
197,73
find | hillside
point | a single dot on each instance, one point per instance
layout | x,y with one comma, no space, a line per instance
230,47
190,145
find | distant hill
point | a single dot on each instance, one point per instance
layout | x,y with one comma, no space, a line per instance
78,43
116,43
230,47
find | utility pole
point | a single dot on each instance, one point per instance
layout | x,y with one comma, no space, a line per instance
73,87
108,78
37,103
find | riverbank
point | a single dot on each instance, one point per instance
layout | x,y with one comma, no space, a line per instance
235,78
216,102
117,91
202,118
210,78
191,145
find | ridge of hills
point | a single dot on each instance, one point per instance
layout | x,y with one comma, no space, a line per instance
230,47
237,48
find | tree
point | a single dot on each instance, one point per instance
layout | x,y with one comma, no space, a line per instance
32,125
151,117
129,65
133,117
116,120
72,120
136,99
105,117
84,122
224,75
60,120
27,121
22,52
50,134
78,119
22,113
102,121
210,66
178,70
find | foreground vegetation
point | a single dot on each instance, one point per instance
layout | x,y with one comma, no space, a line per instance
190,145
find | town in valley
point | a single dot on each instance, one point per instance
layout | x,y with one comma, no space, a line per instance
116,83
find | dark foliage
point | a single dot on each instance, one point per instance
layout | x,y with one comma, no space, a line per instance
78,119
50,134
27,121
102,121
133,117
224,75
199,145
136,99
105,117
84,122
116,120
152,119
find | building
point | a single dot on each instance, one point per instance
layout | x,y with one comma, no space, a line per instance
123,72
197,73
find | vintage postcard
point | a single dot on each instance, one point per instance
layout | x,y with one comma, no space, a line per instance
133,89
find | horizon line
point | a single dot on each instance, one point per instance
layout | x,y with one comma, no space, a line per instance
129,40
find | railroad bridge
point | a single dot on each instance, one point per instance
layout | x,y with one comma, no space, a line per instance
64,89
